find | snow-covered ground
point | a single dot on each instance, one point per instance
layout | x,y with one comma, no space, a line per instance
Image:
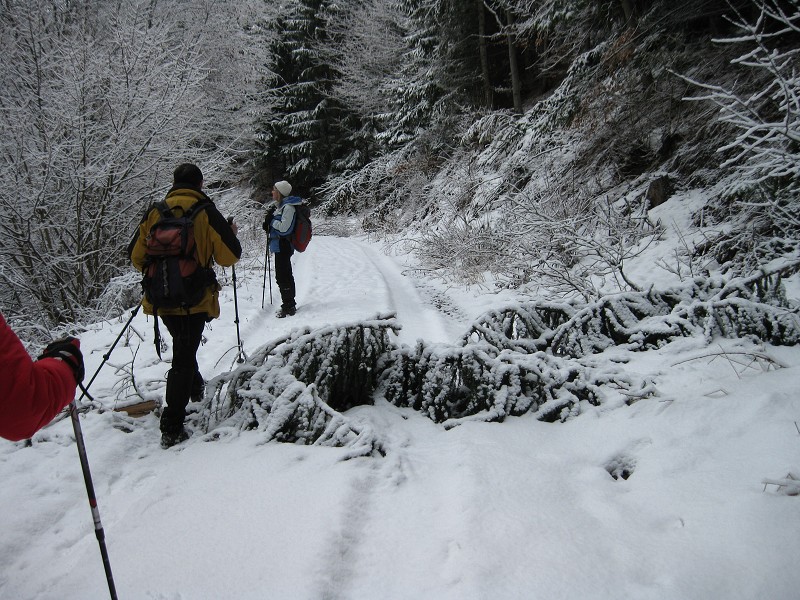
517,510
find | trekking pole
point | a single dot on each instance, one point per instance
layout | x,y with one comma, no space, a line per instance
87,474
110,350
236,320
264,288
87,479
269,264
236,310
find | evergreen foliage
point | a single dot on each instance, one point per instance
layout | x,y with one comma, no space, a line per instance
295,388
439,75
526,358
305,133
476,382
752,306
530,357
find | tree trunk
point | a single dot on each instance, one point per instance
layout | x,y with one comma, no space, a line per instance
516,83
627,8
487,84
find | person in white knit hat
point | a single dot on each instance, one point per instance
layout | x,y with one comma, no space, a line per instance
279,224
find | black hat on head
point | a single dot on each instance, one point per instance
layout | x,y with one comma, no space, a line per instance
189,175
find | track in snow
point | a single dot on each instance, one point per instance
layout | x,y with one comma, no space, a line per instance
340,280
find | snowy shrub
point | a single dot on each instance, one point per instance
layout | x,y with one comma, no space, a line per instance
761,198
767,119
337,226
476,382
570,241
293,389
121,293
459,249
522,327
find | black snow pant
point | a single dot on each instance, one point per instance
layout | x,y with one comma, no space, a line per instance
183,379
283,274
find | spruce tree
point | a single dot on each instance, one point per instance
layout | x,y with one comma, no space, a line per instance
441,71
302,136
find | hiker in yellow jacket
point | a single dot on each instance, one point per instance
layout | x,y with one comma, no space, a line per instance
216,242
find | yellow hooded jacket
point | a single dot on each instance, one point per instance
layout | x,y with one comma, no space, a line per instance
213,236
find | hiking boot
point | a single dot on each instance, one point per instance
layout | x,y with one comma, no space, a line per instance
170,439
198,391
285,311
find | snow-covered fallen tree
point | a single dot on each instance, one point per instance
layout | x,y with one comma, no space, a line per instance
645,320
479,382
529,358
293,389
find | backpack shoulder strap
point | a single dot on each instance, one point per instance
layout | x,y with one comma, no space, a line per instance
163,209
190,213
196,209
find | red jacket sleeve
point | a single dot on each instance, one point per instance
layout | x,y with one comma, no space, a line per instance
31,393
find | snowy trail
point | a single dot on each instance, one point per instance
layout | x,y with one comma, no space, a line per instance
485,511
338,280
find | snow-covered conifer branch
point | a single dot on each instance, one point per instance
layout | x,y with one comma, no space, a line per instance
522,326
294,389
645,320
525,358
451,385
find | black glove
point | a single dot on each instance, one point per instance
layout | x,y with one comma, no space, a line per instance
67,349
268,218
